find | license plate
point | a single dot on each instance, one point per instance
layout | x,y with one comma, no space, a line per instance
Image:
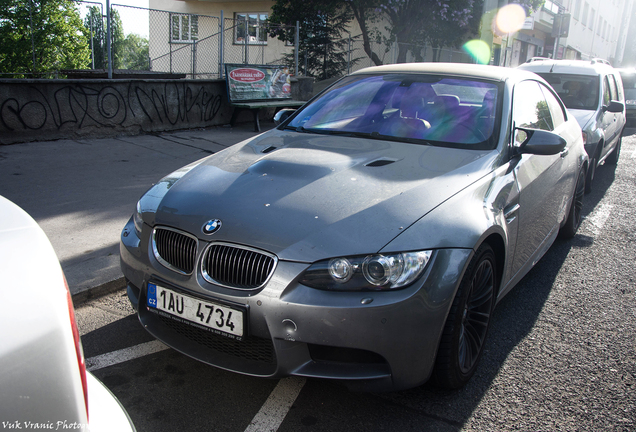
214,316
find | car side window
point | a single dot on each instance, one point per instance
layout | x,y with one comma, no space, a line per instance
556,109
613,89
616,85
530,108
606,92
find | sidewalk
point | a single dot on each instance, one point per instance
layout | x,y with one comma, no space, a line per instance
82,192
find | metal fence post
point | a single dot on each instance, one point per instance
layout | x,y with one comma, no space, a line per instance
349,56
108,40
296,46
221,44
194,59
247,61
32,37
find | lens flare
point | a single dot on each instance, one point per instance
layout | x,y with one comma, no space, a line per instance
510,18
478,50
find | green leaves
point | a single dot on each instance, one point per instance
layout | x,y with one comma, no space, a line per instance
38,36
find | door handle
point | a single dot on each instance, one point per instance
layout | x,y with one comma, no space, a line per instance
565,152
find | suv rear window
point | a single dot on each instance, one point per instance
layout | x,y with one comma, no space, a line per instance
576,91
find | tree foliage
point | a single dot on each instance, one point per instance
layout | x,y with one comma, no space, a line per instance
413,24
135,54
323,33
41,36
130,52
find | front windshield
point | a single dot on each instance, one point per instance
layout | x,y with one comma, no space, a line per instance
576,91
423,109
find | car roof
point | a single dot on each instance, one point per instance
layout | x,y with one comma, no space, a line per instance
496,73
571,67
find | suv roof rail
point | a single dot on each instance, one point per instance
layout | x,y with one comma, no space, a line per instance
534,59
600,60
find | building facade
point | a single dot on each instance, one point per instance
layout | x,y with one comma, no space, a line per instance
574,29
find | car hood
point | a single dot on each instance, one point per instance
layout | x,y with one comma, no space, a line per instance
583,117
307,197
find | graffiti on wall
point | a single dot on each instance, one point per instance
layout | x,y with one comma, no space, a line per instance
146,105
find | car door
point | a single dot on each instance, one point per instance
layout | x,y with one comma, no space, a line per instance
609,120
540,178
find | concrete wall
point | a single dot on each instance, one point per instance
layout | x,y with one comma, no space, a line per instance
39,110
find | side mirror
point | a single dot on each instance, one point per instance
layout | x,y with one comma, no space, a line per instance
283,115
615,107
539,142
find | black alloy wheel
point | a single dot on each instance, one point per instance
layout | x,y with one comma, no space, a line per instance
468,321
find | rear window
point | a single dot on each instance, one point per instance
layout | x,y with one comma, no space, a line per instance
576,91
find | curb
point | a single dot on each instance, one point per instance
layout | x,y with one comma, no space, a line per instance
99,291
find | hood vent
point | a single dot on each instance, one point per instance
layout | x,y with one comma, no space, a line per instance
269,149
380,162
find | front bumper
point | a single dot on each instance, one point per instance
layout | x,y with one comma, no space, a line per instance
375,340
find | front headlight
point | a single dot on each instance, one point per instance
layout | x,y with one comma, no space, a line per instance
370,272
137,220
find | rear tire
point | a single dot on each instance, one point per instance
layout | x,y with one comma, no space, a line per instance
571,226
468,321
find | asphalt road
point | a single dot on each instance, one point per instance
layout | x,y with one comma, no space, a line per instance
82,192
561,353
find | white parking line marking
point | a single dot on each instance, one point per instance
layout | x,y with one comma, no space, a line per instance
277,405
122,355
598,217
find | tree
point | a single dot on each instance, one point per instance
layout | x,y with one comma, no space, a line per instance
322,26
135,54
41,36
96,33
413,23
96,29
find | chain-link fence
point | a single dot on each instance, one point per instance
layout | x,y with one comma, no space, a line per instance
198,46
388,54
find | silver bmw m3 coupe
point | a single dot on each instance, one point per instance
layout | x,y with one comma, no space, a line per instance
369,236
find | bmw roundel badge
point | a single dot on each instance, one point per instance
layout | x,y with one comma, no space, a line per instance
212,226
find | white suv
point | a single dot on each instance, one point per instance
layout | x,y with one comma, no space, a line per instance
593,92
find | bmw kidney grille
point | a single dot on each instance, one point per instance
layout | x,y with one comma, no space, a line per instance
223,264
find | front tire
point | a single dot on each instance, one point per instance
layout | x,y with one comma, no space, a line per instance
575,215
468,321
591,173
613,157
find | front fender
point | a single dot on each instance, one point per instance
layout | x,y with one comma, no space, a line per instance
466,219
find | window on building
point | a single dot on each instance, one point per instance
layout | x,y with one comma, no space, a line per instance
577,9
184,28
604,33
551,7
250,26
592,15
584,17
